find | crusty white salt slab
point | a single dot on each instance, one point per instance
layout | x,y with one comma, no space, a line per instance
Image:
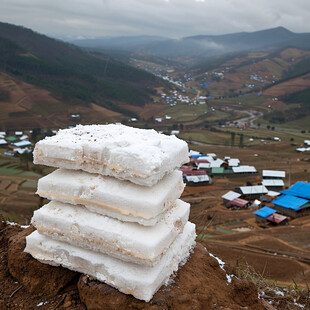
142,156
126,241
112,197
140,281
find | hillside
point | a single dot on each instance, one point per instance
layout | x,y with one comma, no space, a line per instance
74,75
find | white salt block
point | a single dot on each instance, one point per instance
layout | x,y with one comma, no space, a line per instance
126,241
122,200
142,156
140,281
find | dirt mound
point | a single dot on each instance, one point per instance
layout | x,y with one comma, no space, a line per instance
199,284
31,273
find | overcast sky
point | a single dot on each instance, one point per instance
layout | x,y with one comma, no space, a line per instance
169,18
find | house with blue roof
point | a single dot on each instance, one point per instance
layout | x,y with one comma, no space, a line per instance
265,212
266,216
292,206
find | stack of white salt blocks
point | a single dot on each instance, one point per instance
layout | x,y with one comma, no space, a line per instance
115,212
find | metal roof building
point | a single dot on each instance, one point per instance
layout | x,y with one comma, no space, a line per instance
203,166
266,215
303,149
253,190
238,203
197,179
277,218
291,202
216,163
273,193
244,169
22,143
273,174
273,183
233,162
231,195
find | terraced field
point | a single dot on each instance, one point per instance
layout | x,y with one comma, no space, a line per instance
17,190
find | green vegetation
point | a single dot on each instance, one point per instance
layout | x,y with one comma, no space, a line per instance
298,108
302,96
29,184
300,68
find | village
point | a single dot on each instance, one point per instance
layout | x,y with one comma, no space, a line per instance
271,203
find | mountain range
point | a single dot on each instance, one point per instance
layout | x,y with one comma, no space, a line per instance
202,46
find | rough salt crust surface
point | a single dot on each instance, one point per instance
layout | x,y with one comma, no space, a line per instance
108,196
142,156
126,241
140,281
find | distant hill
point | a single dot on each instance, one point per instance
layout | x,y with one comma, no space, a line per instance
70,72
201,47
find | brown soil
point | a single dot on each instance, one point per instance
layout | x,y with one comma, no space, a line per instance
273,104
199,284
295,53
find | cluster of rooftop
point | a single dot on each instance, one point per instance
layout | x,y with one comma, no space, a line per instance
16,143
202,167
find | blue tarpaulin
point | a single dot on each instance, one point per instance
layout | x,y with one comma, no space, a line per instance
205,84
265,212
299,189
290,202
